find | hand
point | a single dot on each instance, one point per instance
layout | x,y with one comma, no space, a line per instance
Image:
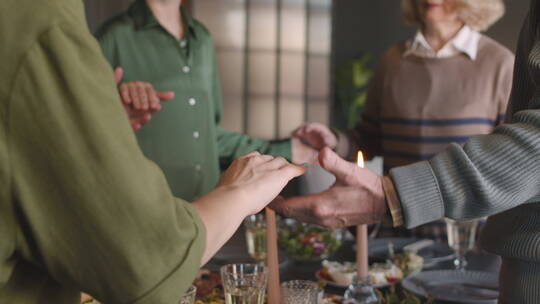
302,154
316,135
140,99
259,178
357,197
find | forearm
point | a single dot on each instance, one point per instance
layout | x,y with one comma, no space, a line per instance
489,175
222,211
233,145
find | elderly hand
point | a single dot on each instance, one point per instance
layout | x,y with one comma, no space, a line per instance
302,154
357,197
140,99
259,178
316,135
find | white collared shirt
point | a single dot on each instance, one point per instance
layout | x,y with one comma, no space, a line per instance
465,42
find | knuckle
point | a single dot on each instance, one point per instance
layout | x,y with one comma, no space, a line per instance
321,211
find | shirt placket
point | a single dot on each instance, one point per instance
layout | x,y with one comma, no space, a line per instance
186,58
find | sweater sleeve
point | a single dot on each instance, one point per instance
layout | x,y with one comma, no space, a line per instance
489,174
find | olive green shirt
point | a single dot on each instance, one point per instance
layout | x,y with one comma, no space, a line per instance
184,138
81,208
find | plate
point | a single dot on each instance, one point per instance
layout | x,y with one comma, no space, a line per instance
432,255
471,287
334,284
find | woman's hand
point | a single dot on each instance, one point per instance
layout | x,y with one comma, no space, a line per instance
251,182
140,99
316,135
258,179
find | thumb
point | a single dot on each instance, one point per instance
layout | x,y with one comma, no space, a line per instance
118,74
334,164
164,96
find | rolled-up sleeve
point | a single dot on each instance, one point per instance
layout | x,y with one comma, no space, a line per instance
94,212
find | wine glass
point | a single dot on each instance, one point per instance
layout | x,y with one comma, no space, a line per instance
255,226
461,238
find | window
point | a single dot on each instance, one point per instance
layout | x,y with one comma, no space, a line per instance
274,62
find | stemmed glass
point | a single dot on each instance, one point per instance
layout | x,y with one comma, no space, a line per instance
189,296
255,226
461,238
360,292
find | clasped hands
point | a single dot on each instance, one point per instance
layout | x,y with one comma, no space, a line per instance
357,196
140,99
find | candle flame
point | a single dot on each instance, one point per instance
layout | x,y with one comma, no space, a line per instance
360,159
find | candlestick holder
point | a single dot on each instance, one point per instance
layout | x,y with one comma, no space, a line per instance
360,292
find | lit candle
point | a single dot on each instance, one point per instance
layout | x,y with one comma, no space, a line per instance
361,239
272,257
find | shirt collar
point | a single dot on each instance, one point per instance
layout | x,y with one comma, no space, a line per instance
145,19
465,42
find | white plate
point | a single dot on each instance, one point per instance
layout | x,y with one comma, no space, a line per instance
334,284
471,287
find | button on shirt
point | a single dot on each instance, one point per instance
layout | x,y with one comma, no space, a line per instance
465,42
184,138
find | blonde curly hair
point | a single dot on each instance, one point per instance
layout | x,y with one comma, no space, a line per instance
477,14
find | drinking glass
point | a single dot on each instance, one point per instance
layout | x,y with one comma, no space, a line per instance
299,292
461,238
255,226
189,296
244,283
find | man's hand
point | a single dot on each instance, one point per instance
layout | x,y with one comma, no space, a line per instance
140,99
302,154
316,135
357,197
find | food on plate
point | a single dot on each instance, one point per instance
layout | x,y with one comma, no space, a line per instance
304,242
343,273
206,281
409,262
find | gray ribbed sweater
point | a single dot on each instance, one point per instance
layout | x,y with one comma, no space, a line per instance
495,175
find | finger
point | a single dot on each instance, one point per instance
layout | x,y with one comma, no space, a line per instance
250,154
298,132
124,93
316,209
275,163
332,163
165,96
153,99
143,97
134,95
291,170
118,74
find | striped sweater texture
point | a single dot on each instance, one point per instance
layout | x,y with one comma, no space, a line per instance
496,175
417,106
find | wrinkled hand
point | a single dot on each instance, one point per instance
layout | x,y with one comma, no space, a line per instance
140,99
259,178
316,135
357,197
302,154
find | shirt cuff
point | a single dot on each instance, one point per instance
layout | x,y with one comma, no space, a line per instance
393,202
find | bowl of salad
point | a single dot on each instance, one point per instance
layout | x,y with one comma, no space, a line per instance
308,243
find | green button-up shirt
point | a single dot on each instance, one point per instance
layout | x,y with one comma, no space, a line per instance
81,208
184,138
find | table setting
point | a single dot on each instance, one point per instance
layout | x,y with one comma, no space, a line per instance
278,260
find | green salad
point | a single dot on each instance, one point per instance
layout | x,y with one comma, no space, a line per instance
305,242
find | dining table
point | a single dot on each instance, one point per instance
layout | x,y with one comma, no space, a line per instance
235,251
